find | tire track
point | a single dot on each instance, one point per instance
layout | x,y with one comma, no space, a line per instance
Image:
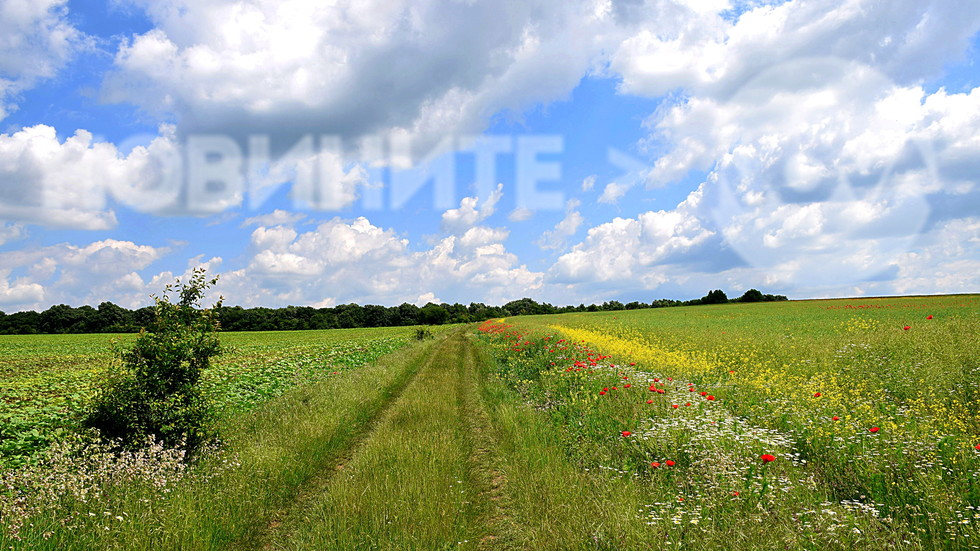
274,530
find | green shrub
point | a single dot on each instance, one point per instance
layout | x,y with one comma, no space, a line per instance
152,390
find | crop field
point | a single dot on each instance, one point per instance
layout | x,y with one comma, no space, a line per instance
838,424
44,379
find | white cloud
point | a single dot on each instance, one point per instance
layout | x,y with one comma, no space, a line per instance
277,217
709,55
418,69
45,180
589,182
357,261
613,192
11,232
469,214
520,214
634,251
72,274
36,40
567,227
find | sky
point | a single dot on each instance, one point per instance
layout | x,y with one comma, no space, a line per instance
390,151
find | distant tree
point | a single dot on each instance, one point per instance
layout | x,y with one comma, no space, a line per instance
716,296
112,318
752,295
433,314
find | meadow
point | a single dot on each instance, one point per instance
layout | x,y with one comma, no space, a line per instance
836,424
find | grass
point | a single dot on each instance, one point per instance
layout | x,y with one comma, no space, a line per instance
743,426
231,498
896,468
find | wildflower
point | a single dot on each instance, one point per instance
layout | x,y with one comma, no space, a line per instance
835,418
710,397
816,394
704,393
977,446
626,433
874,429
929,317
670,462
766,457
627,385
734,494
907,327
655,464
675,406
687,404
602,393
649,401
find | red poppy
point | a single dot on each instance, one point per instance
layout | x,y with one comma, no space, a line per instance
734,494
614,388
602,393
816,394
670,462
649,401
655,464
656,380
627,385
632,363
626,433
836,418
768,457
605,389
687,404
711,397
704,393
675,406
929,317
873,429
977,446
907,327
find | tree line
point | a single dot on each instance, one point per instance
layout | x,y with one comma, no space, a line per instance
111,318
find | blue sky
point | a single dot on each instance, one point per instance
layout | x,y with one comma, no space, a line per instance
442,151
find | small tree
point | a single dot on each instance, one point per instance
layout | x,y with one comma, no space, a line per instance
153,390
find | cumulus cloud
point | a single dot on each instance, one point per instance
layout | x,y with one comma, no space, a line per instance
36,40
708,54
45,180
341,261
422,69
11,232
471,212
566,228
103,270
635,251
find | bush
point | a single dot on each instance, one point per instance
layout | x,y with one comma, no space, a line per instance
152,391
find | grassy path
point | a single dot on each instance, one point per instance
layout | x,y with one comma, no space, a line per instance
417,479
458,461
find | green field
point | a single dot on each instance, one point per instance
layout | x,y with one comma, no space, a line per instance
844,424
44,379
